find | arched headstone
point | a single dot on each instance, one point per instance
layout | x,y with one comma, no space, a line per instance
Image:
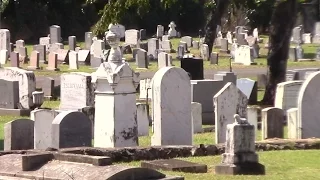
71,129
308,107
172,107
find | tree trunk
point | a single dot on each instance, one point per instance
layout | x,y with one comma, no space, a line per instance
282,22
213,21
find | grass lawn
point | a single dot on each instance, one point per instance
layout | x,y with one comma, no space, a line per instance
309,51
279,165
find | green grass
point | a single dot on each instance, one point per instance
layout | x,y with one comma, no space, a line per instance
279,165
309,50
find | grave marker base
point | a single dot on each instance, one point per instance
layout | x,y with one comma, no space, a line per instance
175,165
240,169
15,112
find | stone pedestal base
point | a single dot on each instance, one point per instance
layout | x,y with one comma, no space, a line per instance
15,112
240,169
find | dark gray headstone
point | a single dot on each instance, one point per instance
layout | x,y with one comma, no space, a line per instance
293,54
142,58
71,129
272,123
291,75
224,45
185,46
175,165
143,34
18,134
180,51
262,80
48,87
42,51
241,39
72,42
10,94
55,34
214,58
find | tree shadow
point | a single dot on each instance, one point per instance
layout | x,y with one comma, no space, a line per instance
309,55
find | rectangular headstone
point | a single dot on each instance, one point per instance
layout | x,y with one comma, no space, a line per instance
194,66
72,42
11,91
42,50
55,34
132,37
287,95
18,135
5,40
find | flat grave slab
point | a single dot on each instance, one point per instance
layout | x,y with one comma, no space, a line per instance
175,165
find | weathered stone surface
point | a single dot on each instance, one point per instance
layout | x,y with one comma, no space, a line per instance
272,123
172,107
18,134
11,91
142,119
196,114
287,95
292,121
227,102
175,165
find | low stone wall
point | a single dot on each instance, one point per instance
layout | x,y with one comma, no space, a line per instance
168,152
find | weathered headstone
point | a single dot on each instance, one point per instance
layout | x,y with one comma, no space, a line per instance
164,60
272,123
20,43
292,121
3,57
204,51
160,31
42,50
118,28
27,84
88,40
48,87
73,60
76,91
287,95
240,157
166,46
214,58
142,58
23,54
153,46
84,57
131,37
18,134
172,30
142,119
188,40
52,62
297,35
196,115
45,41
171,118
10,89
43,119
244,56
180,51
34,60
253,116
55,34
5,40
98,47
224,45
227,102
195,44
143,34
65,134
72,41
14,59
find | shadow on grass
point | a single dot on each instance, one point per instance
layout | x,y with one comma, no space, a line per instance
309,55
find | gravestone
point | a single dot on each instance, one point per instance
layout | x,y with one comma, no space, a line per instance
227,102
47,87
229,37
153,46
308,106
317,57
131,37
272,123
195,44
3,56
14,59
84,57
292,75
306,38
118,28
196,115
34,60
249,88
175,165
65,134
241,39
252,113
255,33
160,31
5,40
73,60
204,51
142,119
42,51
76,91
166,46
43,119
23,54
27,84
142,59
55,34
224,45
185,46
299,52
18,135
143,34
52,62
180,51
287,95
244,55
194,66
172,30
145,89
225,76
292,121
165,37
240,157
164,60
297,35
171,108
214,58
20,43
95,62
188,40
72,41
262,80
88,40
11,90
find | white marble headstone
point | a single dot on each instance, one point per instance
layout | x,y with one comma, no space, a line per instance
287,95
246,85
132,37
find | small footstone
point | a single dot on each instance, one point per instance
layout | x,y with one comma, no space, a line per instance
175,165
